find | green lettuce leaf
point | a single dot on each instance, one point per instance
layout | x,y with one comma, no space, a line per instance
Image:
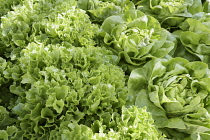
170,13
6,6
100,10
5,120
48,22
132,123
136,37
56,84
176,92
181,50
206,6
194,37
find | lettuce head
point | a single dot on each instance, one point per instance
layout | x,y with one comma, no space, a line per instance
176,92
54,84
136,37
170,12
48,22
194,38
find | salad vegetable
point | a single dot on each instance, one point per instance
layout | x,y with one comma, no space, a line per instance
104,70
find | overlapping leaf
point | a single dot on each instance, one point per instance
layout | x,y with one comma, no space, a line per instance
136,37
176,92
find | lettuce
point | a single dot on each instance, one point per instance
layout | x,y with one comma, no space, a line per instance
136,37
176,92
131,123
181,50
5,119
100,10
206,6
56,84
6,98
6,6
194,37
104,69
170,12
48,22
3,65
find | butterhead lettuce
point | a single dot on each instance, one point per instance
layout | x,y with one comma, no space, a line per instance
194,37
170,13
176,92
136,37
100,10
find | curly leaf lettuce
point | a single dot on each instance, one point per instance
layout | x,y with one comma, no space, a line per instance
56,84
176,92
5,119
3,66
48,22
131,123
6,6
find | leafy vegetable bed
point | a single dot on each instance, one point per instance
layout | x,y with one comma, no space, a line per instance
105,70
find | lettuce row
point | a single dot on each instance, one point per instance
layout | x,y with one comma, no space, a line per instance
59,77
176,92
